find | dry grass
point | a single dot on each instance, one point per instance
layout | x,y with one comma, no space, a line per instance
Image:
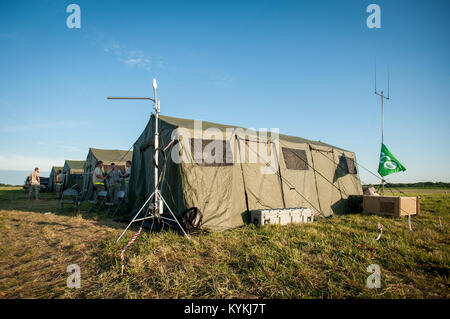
326,259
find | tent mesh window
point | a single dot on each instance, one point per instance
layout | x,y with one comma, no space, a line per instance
295,159
204,152
347,165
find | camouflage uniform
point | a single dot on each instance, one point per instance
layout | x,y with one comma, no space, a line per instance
114,178
127,180
99,184
58,185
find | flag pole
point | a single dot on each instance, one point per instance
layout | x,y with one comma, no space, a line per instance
382,96
382,137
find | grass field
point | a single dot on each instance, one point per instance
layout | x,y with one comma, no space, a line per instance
325,259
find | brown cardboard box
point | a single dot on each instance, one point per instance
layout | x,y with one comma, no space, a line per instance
394,206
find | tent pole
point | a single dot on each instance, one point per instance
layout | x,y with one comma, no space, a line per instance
382,137
158,206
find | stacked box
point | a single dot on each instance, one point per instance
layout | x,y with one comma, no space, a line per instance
395,206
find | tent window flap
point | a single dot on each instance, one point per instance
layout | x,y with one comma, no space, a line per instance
347,164
206,152
295,159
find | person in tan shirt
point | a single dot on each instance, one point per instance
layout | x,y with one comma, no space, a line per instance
58,184
126,178
35,184
98,179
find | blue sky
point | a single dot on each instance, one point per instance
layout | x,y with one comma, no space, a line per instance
305,67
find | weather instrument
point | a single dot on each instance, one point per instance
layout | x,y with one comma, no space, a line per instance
158,199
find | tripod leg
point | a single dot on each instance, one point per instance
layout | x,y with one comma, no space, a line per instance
174,217
132,221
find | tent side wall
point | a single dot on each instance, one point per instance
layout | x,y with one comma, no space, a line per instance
142,171
51,180
73,174
217,190
89,167
298,178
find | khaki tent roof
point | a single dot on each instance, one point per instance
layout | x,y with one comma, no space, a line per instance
76,167
189,124
57,168
112,155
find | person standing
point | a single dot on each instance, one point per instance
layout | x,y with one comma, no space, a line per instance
114,178
35,184
58,184
98,179
126,178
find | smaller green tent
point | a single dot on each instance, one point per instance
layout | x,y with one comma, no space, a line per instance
73,174
52,177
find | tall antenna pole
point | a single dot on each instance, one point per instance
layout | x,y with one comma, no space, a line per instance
158,202
382,118
382,97
156,195
375,76
388,81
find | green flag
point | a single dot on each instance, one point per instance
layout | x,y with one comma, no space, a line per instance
388,163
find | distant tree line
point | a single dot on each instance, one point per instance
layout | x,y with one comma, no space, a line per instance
416,185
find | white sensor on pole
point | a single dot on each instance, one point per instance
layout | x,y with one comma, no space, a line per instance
154,84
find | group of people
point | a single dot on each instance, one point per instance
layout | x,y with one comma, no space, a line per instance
113,180
35,184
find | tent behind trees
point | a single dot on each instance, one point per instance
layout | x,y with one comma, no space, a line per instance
118,157
52,177
303,173
73,174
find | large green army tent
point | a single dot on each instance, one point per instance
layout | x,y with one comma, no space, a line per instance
299,172
118,157
72,174
52,177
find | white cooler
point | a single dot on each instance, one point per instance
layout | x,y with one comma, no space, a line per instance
282,216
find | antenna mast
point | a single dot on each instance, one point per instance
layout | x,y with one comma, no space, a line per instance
158,199
382,97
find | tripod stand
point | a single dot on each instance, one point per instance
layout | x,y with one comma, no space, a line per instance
155,214
158,199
